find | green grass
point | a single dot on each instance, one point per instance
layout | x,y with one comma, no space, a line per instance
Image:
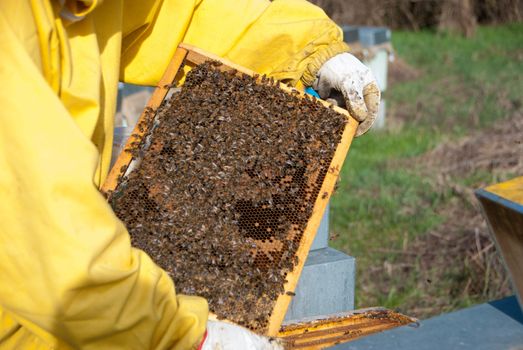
384,201
461,76
371,196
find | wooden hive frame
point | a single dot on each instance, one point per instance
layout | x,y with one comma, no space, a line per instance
186,55
329,330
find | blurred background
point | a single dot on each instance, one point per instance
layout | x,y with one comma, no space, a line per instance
453,123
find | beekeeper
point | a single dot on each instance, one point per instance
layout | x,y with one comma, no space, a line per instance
69,277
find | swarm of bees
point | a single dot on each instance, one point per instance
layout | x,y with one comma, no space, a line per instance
225,187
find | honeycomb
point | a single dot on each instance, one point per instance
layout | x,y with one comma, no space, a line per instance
226,179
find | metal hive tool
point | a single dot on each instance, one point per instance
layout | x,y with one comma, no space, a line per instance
272,229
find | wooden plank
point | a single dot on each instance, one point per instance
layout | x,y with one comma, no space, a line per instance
198,56
125,157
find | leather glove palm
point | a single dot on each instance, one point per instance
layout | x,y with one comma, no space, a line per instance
345,74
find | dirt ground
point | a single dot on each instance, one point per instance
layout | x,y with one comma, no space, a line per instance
462,246
457,263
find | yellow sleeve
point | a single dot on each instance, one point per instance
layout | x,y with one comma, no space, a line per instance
286,39
67,270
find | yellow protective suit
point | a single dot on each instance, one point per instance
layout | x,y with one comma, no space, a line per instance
68,275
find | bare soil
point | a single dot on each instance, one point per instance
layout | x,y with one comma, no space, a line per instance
461,247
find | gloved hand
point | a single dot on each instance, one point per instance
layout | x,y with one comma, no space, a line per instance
225,336
345,74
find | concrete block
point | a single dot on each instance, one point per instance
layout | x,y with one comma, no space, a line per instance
322,236
326,285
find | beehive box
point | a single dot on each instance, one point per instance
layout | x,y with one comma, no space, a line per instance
502,206
224,184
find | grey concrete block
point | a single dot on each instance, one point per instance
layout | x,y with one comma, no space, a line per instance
322,236
326,285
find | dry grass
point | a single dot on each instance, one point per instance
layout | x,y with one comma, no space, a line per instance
461,247
456,263
406,208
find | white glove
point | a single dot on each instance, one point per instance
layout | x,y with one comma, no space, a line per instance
225,336
346,74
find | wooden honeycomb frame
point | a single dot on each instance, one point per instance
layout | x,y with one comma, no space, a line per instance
326,331
186,55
